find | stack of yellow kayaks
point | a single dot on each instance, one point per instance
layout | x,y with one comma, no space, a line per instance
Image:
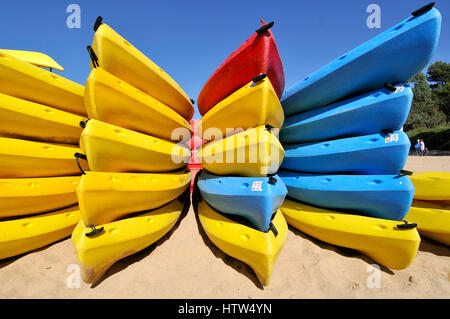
133,143
40,114
431,206
240,199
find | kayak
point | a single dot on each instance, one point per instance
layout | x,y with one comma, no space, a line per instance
377,154
383,109
380,239
254,198
379,196
106,197
433,220
21,158
119,239
405,49
252,153
431,185
116,55
29,82
259,54
257,249
27,196
19,236
254,104
35,58
111,100
110,148
28,120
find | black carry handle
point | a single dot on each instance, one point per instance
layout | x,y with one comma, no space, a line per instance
273,229
94,231
386,131
424,9
84,123
272,180
192,101
93,56
98,23
390,87
265,28
406,172
259,78
77,158
406,225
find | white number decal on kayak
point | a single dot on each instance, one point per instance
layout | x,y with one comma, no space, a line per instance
257,186
391,138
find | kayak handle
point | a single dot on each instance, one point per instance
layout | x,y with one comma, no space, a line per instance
258,78
424,9
98,23
407,225
405,172
386,131
272,180
265,28
269,127
93,56
94,231
77,158
390,87
192,101
273,229
84,123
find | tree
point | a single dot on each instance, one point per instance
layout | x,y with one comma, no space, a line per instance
439,75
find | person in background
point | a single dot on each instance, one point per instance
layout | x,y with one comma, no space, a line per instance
417,147
422,147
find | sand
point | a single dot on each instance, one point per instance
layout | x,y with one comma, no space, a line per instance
184,264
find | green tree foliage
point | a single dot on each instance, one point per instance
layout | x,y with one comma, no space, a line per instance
439,76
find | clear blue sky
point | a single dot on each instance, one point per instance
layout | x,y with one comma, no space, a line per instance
189,39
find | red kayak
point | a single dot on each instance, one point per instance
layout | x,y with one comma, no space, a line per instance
259,54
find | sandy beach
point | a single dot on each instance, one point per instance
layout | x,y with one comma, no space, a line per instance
185,264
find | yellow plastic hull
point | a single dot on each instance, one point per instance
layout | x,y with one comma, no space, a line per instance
26,196
21,158
29,82
105,197
27,120
120,58
252,153
250,106
35,58
257,249
22,235
111,100
432,219
110,148
121,238
431,185
379,239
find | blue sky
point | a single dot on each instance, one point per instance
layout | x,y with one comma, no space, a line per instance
190,39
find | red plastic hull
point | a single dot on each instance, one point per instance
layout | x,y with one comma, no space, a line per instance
259,54
195,142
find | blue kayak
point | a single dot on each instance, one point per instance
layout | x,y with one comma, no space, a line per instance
380,196
363,115
253,198
393,56
376,154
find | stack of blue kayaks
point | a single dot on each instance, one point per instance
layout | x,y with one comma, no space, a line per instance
343,139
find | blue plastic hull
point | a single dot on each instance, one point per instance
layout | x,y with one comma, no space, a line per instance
393,56
253,198
377,154
362,115
380,196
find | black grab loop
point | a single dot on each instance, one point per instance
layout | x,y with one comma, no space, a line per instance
192,101
98,23
272,180
405,172
93,56
390,87
265,28
77,158
424,9
84,123
258,78
386,131
269,127
406,225
273,229
94,231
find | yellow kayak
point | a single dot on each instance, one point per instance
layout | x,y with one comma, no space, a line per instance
120,58
252,105
105,197
380,239
22,235
111,100
252,153
432,219
119,239
431,185
26,196
110,148
29,120
257,249
29,82
35,58
22,158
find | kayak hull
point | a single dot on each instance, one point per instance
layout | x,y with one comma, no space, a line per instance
434,186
